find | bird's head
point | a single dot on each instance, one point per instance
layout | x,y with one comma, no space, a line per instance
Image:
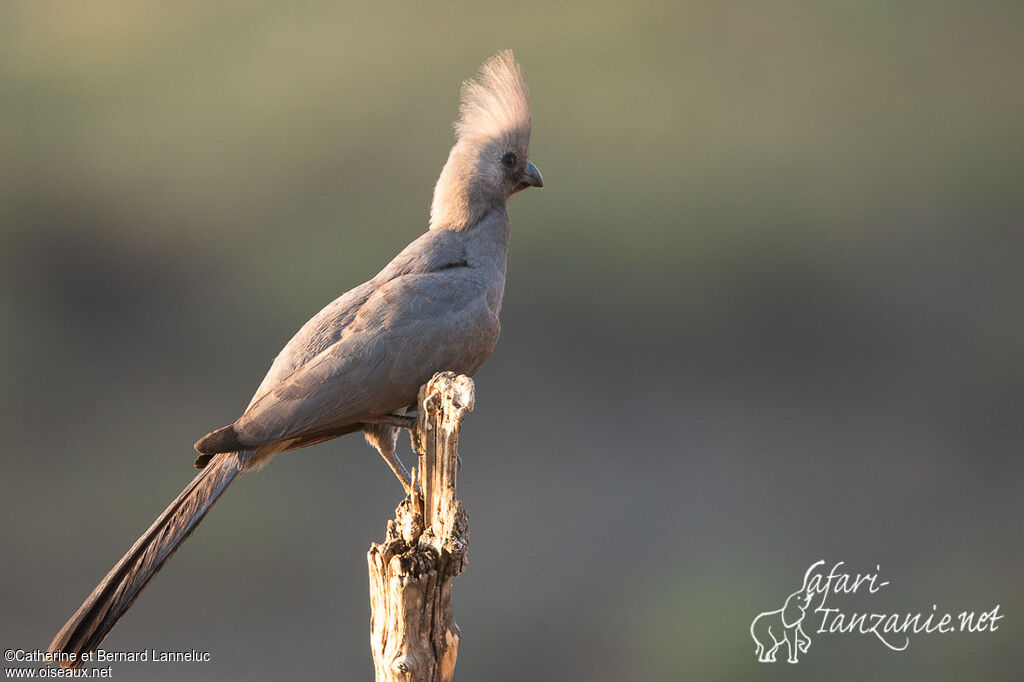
488,163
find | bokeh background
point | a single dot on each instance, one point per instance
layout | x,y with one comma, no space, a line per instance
768,309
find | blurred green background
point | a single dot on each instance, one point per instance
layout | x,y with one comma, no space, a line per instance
769,308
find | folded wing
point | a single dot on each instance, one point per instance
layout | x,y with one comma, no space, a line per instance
407,329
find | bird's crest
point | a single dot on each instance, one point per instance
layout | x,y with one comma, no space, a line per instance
496,103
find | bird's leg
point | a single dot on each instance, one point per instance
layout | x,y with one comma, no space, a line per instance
383,435
404,421
391,457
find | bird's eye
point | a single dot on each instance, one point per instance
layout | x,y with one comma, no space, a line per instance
509,159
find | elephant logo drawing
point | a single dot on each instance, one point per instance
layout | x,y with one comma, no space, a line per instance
772,629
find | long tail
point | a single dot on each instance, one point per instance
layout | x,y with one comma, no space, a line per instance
117,592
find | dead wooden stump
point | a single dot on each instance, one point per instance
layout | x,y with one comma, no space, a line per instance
413,635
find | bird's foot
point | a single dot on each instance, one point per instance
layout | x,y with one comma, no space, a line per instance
402,421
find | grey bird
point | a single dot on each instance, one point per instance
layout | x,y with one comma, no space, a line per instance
358,363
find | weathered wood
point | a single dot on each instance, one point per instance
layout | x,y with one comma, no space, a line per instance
413,635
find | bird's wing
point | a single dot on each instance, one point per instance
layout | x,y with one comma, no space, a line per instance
430,252
321,332
406,330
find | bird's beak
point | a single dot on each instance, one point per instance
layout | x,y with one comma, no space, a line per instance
532,176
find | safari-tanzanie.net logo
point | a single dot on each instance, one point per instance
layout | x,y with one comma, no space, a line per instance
810,609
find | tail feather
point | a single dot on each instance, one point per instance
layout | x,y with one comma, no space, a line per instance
119,589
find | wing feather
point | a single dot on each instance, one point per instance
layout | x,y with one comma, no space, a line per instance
409,328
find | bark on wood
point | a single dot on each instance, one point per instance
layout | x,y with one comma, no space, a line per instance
413,635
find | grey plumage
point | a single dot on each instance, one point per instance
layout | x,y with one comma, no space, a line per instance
434,307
